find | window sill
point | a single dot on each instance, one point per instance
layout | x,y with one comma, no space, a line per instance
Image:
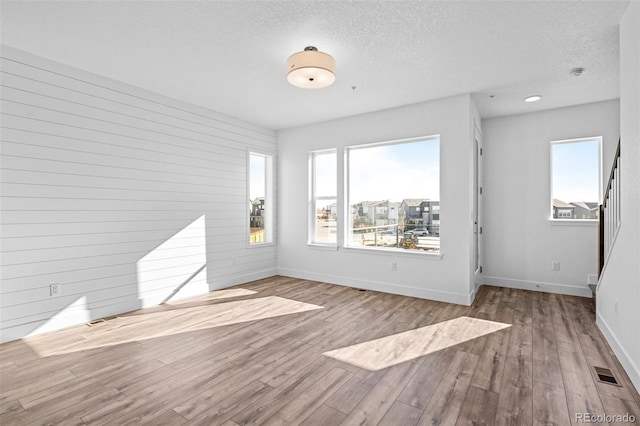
574,222
397,252
260,245
327,247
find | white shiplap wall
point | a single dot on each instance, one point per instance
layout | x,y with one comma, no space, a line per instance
120,195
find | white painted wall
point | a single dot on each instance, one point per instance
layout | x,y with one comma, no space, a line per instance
446,279
519,240
620,281
118,194
475,130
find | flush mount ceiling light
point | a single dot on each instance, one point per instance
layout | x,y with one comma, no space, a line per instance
533,98
311,69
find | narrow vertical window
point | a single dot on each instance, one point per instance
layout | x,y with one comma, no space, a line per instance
260,203
323,198
575,178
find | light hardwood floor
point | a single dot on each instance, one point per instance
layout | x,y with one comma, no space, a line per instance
255,355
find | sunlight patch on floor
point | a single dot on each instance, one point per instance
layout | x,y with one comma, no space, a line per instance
232,292
215,295
161,324
401,347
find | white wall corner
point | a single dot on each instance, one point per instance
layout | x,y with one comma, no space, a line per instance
474,292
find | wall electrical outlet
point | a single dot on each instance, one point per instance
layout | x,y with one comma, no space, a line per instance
394,266
555,265
55,290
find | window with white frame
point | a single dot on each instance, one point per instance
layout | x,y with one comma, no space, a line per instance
260,172
576,178
402,177
323,208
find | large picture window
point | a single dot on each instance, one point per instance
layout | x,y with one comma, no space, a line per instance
393,192
575,178
260,194
323,198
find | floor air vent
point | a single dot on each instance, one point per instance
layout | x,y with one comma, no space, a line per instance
100,321
605,375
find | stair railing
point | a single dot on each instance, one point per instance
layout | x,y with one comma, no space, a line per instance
609,212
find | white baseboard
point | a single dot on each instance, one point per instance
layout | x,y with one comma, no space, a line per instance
632,370
441,296
569,290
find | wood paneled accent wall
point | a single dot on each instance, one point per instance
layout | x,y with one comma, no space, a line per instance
124,197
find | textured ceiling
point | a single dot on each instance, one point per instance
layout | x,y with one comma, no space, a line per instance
230,56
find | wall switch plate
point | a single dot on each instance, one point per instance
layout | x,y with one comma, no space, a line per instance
555,265
394,266
55,290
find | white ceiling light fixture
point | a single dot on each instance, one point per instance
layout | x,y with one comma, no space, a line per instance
533,98
311,69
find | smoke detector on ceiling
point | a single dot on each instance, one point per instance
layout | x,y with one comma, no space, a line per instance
576,72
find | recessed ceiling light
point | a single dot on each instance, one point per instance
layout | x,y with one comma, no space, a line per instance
533,98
